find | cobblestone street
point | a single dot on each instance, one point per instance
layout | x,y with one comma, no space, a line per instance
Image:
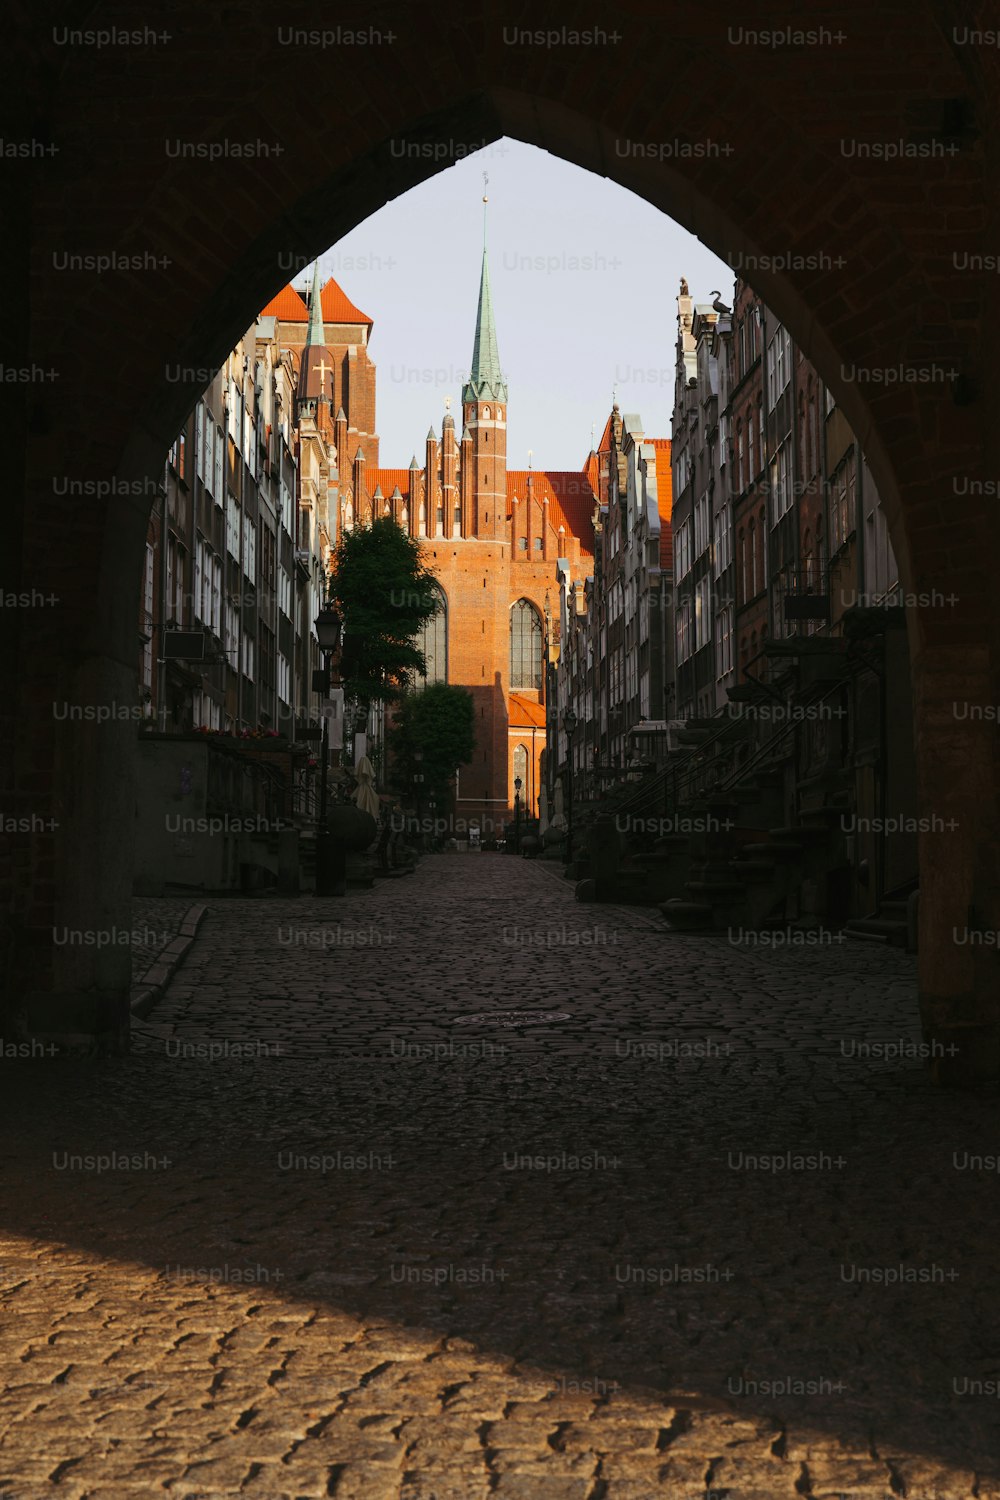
698,1226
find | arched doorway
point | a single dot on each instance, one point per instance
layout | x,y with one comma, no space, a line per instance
850,268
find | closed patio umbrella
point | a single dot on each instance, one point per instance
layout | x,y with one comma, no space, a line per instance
366,797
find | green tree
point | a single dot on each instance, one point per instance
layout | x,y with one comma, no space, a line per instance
384,595
439,723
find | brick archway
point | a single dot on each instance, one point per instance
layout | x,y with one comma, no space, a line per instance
360,124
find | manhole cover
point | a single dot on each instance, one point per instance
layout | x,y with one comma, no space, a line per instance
512,1018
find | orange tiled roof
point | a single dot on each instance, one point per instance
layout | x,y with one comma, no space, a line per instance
523,714
571,499
592,471
338,307
605,443
288,306
388,479
664,501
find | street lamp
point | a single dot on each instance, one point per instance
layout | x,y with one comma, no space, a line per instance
517,814
328,632
569,724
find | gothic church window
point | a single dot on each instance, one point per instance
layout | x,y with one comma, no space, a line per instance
433,642
525,646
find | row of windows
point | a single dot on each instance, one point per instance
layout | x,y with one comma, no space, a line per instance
779,366
690,544
209,451
526,644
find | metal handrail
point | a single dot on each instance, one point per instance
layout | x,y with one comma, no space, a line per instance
764,750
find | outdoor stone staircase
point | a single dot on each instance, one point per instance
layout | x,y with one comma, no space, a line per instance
895,922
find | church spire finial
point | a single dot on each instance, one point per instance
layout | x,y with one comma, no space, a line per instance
485,380
315,333
486,183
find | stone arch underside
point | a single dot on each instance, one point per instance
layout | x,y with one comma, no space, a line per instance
786,186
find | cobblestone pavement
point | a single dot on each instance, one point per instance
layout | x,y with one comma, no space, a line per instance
155,924
352,1244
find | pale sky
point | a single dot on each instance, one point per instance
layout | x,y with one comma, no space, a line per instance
584,277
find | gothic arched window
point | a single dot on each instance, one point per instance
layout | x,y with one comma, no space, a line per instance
521,769
525,646
433,642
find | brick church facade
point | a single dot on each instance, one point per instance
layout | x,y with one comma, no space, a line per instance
493,536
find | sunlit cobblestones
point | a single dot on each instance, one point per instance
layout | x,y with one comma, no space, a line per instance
451,1325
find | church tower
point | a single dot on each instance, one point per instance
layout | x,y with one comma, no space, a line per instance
315,384
484,411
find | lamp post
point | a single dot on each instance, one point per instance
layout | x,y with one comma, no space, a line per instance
359,721
418,782
328,628
569,724
517,814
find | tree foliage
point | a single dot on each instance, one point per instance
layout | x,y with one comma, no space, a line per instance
439,722
385,595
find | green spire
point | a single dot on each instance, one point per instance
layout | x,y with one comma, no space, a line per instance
315,334
485,377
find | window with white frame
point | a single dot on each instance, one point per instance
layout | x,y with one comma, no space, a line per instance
216,620
701,524
206,584
250,550
206,711
199,441
248,664
217,466
233,410
682,550
702,613
284,679
208,447
779,365
199,558
232,635
683,617
723,540
285,592
842,504
781,484
724,641
232,527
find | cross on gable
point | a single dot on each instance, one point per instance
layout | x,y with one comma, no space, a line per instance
323,367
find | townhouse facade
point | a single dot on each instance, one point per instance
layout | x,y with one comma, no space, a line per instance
783,677
616,637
